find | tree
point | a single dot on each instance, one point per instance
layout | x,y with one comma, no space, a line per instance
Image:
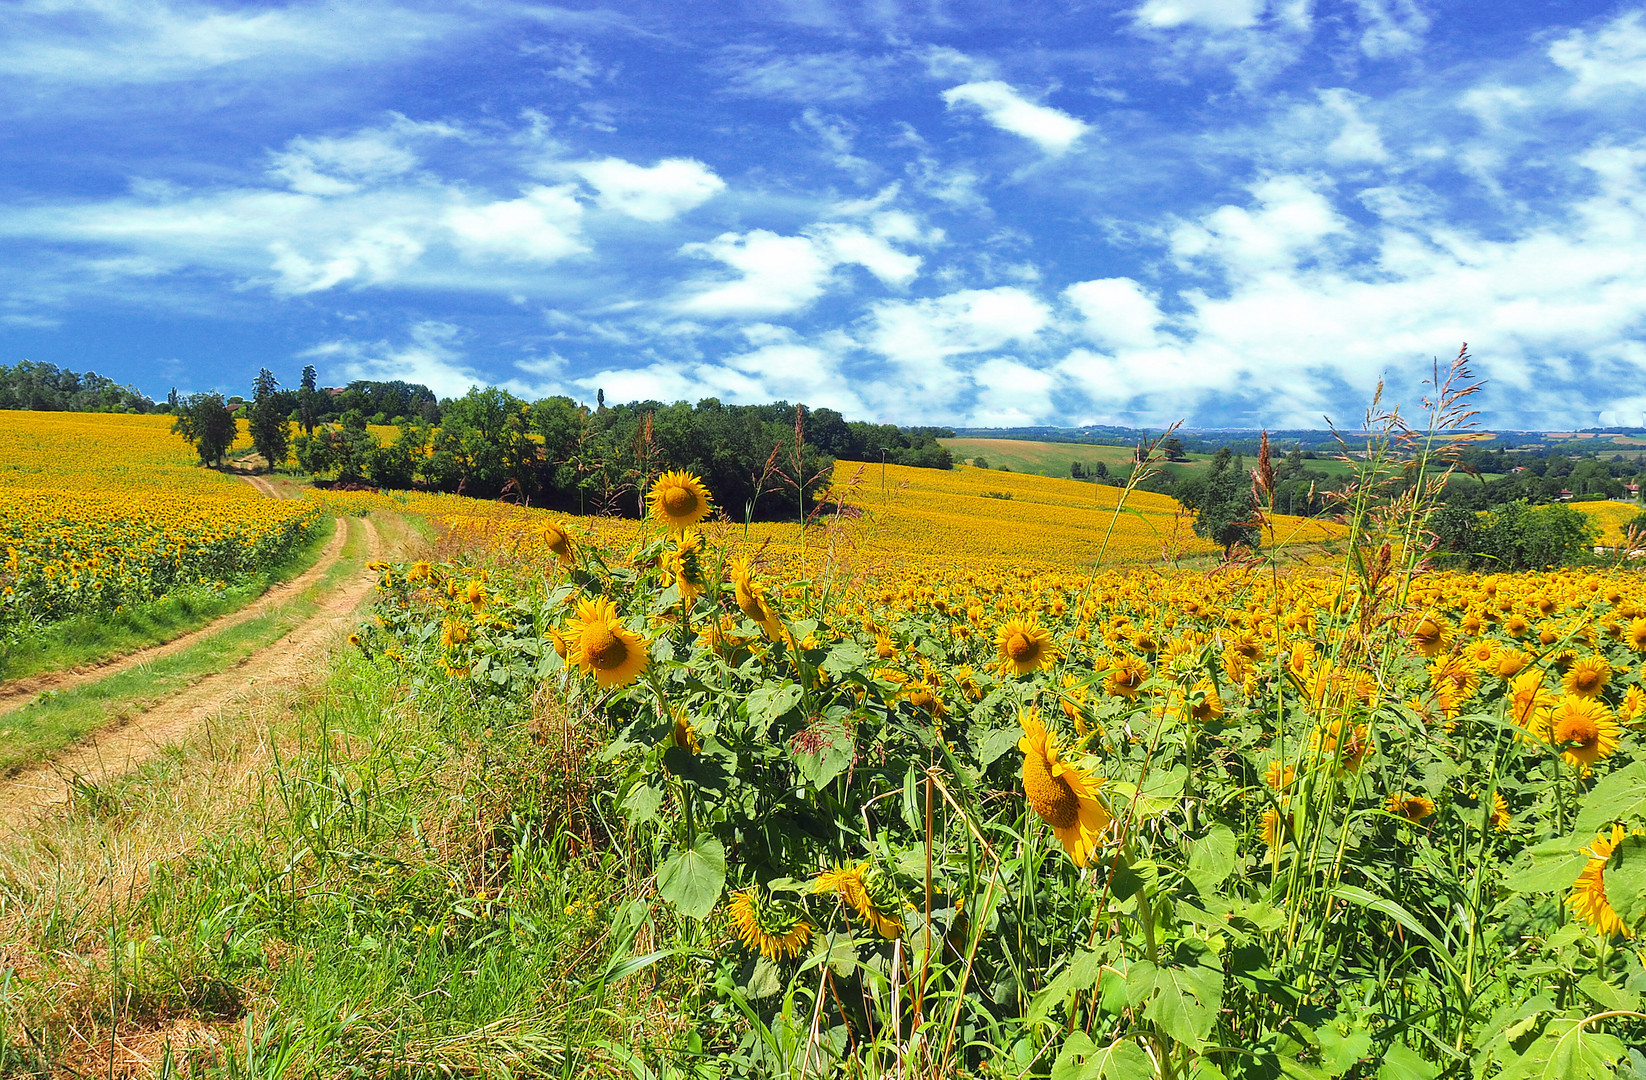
1077,471
980,462
1222,503
1172,447
269,433
205,421
308,405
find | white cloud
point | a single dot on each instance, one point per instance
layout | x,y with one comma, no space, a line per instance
1211,14
372,256
540,226
431,358
807,78
1053,130
1391,27
1116,312
112,42
663,191
779,274
1290,223
1358,140
1010,393
343,165
920,338
1613,56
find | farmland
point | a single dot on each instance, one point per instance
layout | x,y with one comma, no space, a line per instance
980,774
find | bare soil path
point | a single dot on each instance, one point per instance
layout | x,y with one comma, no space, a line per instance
115,751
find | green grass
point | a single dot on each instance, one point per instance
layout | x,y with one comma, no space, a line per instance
88,639
56,720
296,922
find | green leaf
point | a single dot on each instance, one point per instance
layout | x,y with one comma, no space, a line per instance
1606,995
692,878
1212,858
1081,974
768,703
1182,1000
1401,1062
1626,880
1618,796
843,658
824,753
1340,1050
641,803
1082,1059
1567,1050
761,979
991,745
1545,867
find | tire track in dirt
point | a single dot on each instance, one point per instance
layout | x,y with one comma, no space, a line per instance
19,692
114,751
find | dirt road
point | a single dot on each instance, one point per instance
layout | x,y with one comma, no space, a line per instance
117,750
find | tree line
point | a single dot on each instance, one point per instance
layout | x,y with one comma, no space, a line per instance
762,462
49,388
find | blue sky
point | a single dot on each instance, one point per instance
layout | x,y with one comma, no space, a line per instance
1238,212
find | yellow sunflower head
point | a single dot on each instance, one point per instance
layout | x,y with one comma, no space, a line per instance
679,500
1024,646
599,644
1583,730
1430,636
1588,896
1413,808
775,929
1586,678
1125,677
560,544
1062,794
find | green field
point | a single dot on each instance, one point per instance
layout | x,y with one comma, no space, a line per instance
1054,458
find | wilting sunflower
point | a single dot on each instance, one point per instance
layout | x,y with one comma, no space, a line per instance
1125,677
679,500
773,928
598,642
1588,897
1414,808
1587,677
556,540
751,599
870,892
1584,731
1062,794
1024,646
686,560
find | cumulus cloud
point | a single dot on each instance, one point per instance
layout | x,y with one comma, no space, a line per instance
345,164
920,338
1358,140
1612,56
663,191
540,226
1212,14
1116,312
1053,130
431,357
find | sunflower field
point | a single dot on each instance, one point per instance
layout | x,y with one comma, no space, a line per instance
101,511
979,815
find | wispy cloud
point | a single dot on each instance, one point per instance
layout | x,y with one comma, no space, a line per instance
1053,130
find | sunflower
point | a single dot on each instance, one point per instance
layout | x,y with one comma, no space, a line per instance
1125,677
1482,653
1511,662
1279,775
686,560
1588,897
770,927
1073,702
1636,635
923,696
685,735
679,500
869,892
1633,705
1062,794
599,643
1204,704
1024,646
1529,703
1414,808
1586,678
1455,681
751,599
556,540
1584,731
1500,812
1429,636
1273,830
1345,743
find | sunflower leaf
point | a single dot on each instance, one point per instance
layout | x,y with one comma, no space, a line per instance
1401,1062
1553,864
1183,1000
1618,796
1567,1050
1082,1059
1626,879
692,877
1212,859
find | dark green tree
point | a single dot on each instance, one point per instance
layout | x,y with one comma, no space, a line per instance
1221,499
268,421
308,404
208,425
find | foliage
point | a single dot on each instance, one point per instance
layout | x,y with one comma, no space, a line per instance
47,388
268,426
1221,500
1518,536
205,422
